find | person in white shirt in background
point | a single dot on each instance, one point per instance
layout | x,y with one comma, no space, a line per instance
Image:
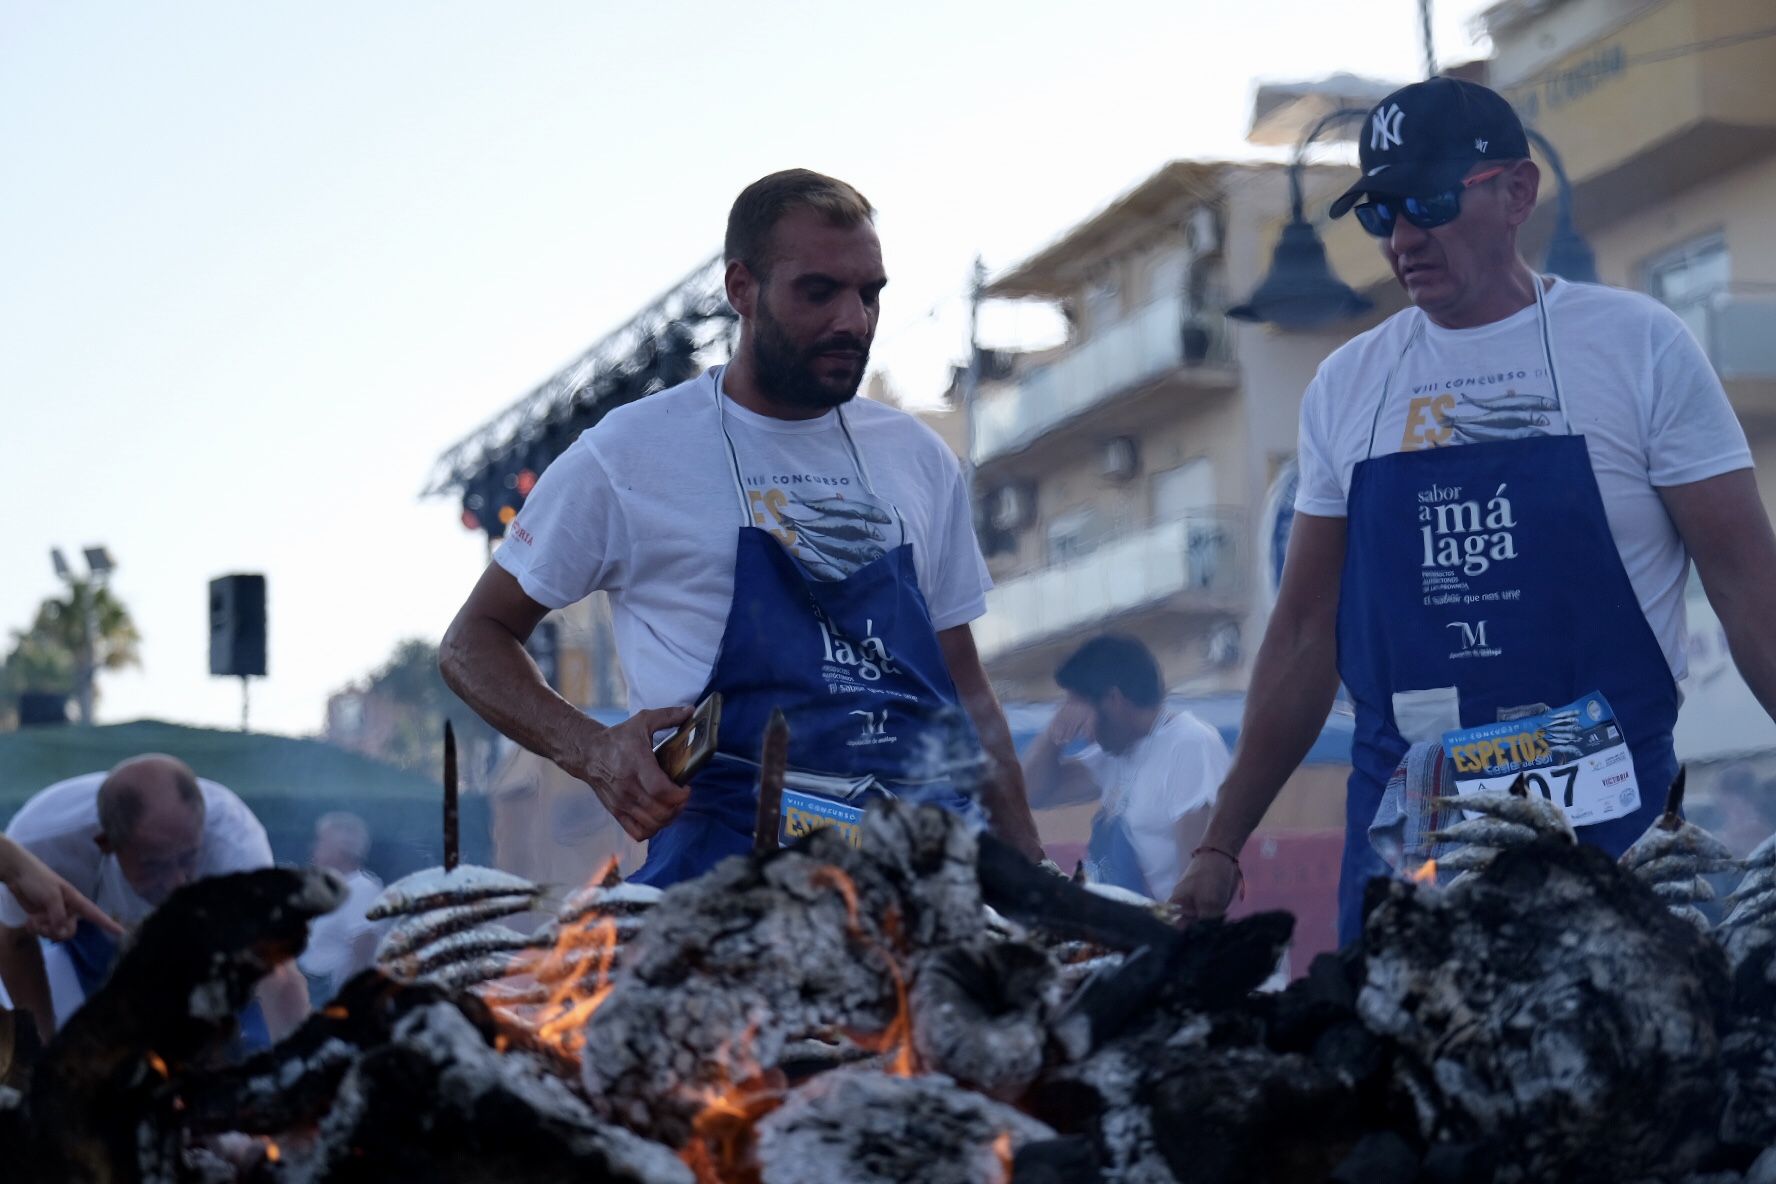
1153,768
342,942
127,840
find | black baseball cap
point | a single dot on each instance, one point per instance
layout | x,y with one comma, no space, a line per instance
1423,139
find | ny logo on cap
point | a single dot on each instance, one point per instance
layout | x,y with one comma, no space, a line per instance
1384,128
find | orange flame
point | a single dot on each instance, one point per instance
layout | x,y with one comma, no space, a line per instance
335,1012
561,1019
720,1148
1002,1153
897,1038
1426,873
158,1065
272,1152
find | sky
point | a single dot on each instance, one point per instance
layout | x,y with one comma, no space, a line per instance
260,264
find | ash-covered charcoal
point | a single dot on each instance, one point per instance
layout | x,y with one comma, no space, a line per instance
1239,1114
1552,1008
170,999
767,949
981,1014
1748,1055
437,1104
1690,915
861,1126
291,1086
435,888
422,929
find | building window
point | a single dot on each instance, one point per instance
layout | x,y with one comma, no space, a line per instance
1184,492
1684,278
1075,533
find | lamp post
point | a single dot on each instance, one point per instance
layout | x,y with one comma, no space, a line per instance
99,567
1569,255
1300,291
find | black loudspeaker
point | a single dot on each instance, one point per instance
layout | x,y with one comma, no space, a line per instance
237,626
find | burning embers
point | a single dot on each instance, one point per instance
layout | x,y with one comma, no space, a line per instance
830,1014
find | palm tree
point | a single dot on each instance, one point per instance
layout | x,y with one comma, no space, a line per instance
48,655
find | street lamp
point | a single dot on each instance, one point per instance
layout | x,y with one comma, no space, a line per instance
1300,291
99,565
1569,255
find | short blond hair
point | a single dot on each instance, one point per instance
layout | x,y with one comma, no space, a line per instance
762,204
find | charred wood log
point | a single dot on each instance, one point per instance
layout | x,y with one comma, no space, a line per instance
438,1103
865,1127
171,999
1552,1008
764,950
291,1086
982,1015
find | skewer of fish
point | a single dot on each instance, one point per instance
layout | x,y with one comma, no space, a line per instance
419,930
1674,854
465,946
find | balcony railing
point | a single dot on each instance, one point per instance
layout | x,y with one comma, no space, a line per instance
1134,350
1736,324
1167,563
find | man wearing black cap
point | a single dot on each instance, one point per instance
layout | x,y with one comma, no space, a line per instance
1501,490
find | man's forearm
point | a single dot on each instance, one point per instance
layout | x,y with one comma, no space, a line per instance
21,969
493,673
1294,681
1007,803
1042,768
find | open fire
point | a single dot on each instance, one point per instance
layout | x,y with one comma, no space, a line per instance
826,1014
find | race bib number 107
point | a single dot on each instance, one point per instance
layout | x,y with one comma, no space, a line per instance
1575,756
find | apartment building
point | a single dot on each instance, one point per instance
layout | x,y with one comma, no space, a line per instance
1122,478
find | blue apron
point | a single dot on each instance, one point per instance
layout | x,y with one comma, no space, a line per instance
92,951
854,664
1525,517
1110,854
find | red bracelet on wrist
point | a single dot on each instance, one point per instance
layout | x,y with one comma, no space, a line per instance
1231,858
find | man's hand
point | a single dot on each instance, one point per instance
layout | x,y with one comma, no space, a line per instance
1072,722
618,763
52,905
1207,886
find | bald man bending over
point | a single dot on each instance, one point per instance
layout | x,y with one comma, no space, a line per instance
127,839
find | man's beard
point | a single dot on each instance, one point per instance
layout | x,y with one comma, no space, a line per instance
786,374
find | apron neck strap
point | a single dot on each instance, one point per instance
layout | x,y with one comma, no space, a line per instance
1418,331
863,476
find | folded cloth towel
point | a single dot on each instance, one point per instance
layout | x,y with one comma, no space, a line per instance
1401,830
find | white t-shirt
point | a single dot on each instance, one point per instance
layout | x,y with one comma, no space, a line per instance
644,507
1635,382
60,826
333,937
1169,775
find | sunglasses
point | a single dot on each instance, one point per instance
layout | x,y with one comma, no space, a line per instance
1379,216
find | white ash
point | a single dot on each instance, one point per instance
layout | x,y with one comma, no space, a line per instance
1535,1004
861,1126
468,1074
982,1012
433,887
761,951
209,1000
1125,1126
